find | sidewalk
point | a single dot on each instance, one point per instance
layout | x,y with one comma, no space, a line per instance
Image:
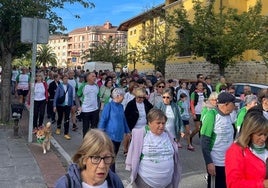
23,164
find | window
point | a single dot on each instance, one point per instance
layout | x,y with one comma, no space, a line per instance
183,38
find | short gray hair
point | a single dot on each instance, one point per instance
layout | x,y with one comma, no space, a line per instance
117,91
250,98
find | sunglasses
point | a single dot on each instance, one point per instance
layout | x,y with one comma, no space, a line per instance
139,97
161,86
166,97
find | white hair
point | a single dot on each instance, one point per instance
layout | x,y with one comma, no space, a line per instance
117,91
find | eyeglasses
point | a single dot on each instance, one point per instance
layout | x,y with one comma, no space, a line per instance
97,159
140,97
166,97
161,86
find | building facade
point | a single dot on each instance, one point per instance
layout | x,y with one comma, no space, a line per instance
59,44
70,48
184,65
86,38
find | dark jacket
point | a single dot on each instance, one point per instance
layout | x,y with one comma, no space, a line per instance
132,113
76,181
52,89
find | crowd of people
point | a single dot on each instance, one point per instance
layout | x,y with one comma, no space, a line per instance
150,116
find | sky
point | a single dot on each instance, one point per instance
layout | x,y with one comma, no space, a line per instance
114,11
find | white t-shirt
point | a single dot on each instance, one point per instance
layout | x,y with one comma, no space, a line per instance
142,116
90,101
39,92
170,126
73,83
23,82
157,165
103,185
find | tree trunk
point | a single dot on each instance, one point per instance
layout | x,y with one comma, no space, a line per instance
5,86
221,69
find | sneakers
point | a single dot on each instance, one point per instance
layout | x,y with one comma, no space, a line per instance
57,131
190,148
67,137
74,127
179,145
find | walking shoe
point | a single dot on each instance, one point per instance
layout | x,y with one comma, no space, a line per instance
67,137
179,145
57,131
74,127
190,148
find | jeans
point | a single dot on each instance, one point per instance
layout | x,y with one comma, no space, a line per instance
66,111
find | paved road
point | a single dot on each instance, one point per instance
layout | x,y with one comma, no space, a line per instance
193,170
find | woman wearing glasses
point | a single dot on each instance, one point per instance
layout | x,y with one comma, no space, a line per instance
136,111
156,96
153,156
91,164
174,124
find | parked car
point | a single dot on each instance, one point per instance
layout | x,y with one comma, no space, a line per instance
255,88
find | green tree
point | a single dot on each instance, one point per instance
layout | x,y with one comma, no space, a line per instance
11,12
220,36
107,50
155,44
23,61
45,56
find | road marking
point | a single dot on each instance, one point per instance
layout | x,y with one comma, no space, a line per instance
65,155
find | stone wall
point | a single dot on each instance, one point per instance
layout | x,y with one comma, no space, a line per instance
254,72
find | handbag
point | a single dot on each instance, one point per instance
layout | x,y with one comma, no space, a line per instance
61,99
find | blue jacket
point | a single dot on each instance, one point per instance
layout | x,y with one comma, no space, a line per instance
178,121
60,92
113,121
76,181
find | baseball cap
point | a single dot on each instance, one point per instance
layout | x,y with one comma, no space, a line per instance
226,97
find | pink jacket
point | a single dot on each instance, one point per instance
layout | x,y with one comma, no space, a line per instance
134,153
243,168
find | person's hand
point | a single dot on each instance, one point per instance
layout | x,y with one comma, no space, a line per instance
211,169
182,134
265,183
194,116
55,109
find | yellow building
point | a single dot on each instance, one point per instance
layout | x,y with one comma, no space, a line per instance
135,27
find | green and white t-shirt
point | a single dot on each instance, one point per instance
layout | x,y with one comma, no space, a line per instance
218,128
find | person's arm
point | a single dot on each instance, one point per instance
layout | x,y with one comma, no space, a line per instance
104,117
192,98
206,140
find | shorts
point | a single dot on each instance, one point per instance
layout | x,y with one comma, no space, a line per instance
198,117
185,122
22,92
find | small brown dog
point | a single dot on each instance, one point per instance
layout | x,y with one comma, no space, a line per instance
44,136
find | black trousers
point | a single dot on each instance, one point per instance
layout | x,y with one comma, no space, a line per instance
116,149
66,111
50,113
220,179
39,111
90,120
